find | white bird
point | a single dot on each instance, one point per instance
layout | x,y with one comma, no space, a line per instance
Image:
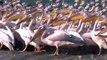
6,40
59,38
100,41
26,33
9,33
82,3
9,41
87,6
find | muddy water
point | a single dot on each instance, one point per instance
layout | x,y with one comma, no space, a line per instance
79,53
6,55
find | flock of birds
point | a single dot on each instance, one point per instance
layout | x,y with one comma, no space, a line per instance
40,26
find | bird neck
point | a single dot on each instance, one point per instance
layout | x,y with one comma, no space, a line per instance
95,25
80,28
43,35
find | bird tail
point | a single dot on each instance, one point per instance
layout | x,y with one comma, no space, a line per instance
104,45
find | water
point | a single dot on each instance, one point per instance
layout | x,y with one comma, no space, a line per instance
14,55
78,53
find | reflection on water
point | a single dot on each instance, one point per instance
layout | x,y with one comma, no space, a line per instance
80,53
6,55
